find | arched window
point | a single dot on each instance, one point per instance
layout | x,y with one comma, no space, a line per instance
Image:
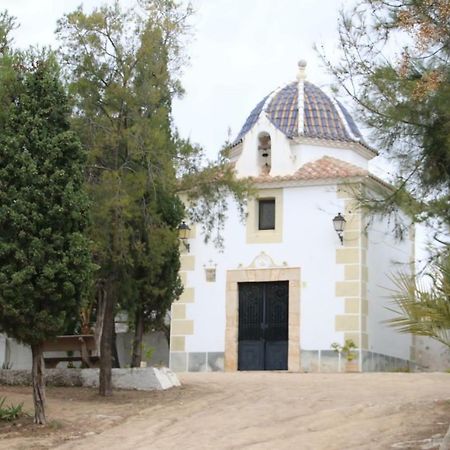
265,152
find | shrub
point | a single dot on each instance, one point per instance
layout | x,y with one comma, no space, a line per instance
347,349
11,412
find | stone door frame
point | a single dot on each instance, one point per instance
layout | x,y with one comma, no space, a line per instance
292,275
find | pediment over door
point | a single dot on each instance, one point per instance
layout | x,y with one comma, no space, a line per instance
263,261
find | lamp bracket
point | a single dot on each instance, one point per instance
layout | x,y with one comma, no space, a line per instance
187,246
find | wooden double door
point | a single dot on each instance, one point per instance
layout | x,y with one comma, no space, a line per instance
263,326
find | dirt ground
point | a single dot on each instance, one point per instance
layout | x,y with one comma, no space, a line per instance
251,410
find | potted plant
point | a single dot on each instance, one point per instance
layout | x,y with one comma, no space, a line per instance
348,352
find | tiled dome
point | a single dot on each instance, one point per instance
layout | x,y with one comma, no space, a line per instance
324,118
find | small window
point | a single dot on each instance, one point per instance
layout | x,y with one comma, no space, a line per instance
266,214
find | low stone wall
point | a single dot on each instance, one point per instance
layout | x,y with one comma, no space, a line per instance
377,362
328,361
147,379
197,361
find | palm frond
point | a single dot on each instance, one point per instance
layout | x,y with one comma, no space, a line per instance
423,310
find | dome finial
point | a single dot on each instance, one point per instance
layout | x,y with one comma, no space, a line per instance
301,70
301,77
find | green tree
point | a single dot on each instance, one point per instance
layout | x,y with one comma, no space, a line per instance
44,257
122,67
155,283
402,94
7,24
117,62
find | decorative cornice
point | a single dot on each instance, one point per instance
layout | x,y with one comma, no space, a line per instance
369,180
236,150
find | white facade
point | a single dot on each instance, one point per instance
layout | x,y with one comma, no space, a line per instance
386,256
14,355
336,291
313,250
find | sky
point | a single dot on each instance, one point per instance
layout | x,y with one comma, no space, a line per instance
240,51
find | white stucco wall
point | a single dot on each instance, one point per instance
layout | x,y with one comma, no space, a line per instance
248,163
386,256
287,155
309,242
14,355
305,153
3,350
431,355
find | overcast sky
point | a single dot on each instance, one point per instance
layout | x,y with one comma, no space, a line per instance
240,51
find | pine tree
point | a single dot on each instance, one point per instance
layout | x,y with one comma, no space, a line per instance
154,283
118,66
402,93
122,66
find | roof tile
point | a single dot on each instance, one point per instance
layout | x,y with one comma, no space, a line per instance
324,118
326,167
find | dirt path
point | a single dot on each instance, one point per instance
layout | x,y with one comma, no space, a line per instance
277,411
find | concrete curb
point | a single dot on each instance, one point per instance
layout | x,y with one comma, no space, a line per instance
142,379
445,445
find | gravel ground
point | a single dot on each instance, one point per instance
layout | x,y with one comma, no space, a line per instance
260,410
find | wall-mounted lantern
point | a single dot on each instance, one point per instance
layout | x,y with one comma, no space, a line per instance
183,234
339,225
210,271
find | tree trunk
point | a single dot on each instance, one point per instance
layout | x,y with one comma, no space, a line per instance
100,314
137,341
37,377
105,381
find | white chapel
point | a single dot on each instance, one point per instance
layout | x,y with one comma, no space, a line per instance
307,268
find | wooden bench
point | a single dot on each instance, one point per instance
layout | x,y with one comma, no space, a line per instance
84,344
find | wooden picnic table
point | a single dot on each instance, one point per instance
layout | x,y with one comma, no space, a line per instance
84,344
